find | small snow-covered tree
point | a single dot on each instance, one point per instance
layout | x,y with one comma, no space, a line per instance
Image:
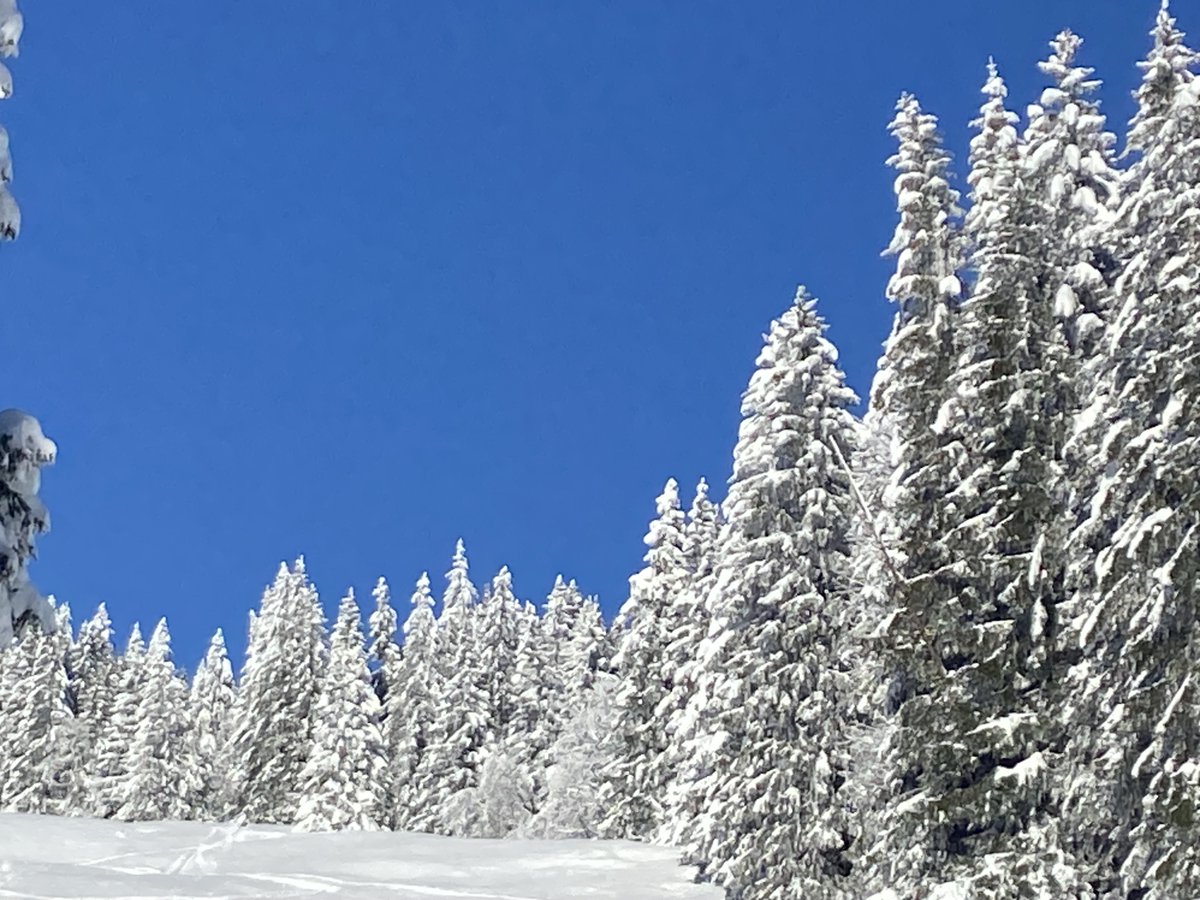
162,779
688,620
272,719
583,750
342,785
383,653
635,784
41,769
212,695
110,767
412,704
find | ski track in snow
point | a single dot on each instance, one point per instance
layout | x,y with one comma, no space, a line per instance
52,858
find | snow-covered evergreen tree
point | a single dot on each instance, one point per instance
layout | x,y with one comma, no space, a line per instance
1135,721
41,771
24,451
635,783
583,750
162,779
383,653
770,683
459,728
343,783
412,704
1070,170
110,767
12,24
912,574
272,719
212,695
972,744
688,620
91,694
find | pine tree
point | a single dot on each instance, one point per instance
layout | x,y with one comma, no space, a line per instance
162,779
343,781
770,682
411,706
272,720
211,704
634,785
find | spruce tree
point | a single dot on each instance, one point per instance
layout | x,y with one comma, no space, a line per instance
342,785
39,742
771,825
383,654
272,719
1131,805
412,704
211,703
458,731
162,779
914,568
635,784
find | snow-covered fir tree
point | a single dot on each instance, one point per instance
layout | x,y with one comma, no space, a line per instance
273,715
24,451
383,653
110,768
211,704
343,783
411,705
1135,715
582,751
12,24
913,575
92,689
458,731
162,779
1071,174
688,620
770,683
41,770
636,782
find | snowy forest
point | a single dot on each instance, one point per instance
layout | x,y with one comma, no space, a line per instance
942,650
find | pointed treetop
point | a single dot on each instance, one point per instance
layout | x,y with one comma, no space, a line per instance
160,641
136,646
460,592
925,241
381,592
422,596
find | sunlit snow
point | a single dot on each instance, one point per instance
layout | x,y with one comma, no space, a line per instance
51,857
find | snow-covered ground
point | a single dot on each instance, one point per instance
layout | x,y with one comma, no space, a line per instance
50,857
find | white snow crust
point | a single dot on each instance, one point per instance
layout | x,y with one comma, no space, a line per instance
47,857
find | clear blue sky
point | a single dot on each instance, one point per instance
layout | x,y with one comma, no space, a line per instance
351,280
